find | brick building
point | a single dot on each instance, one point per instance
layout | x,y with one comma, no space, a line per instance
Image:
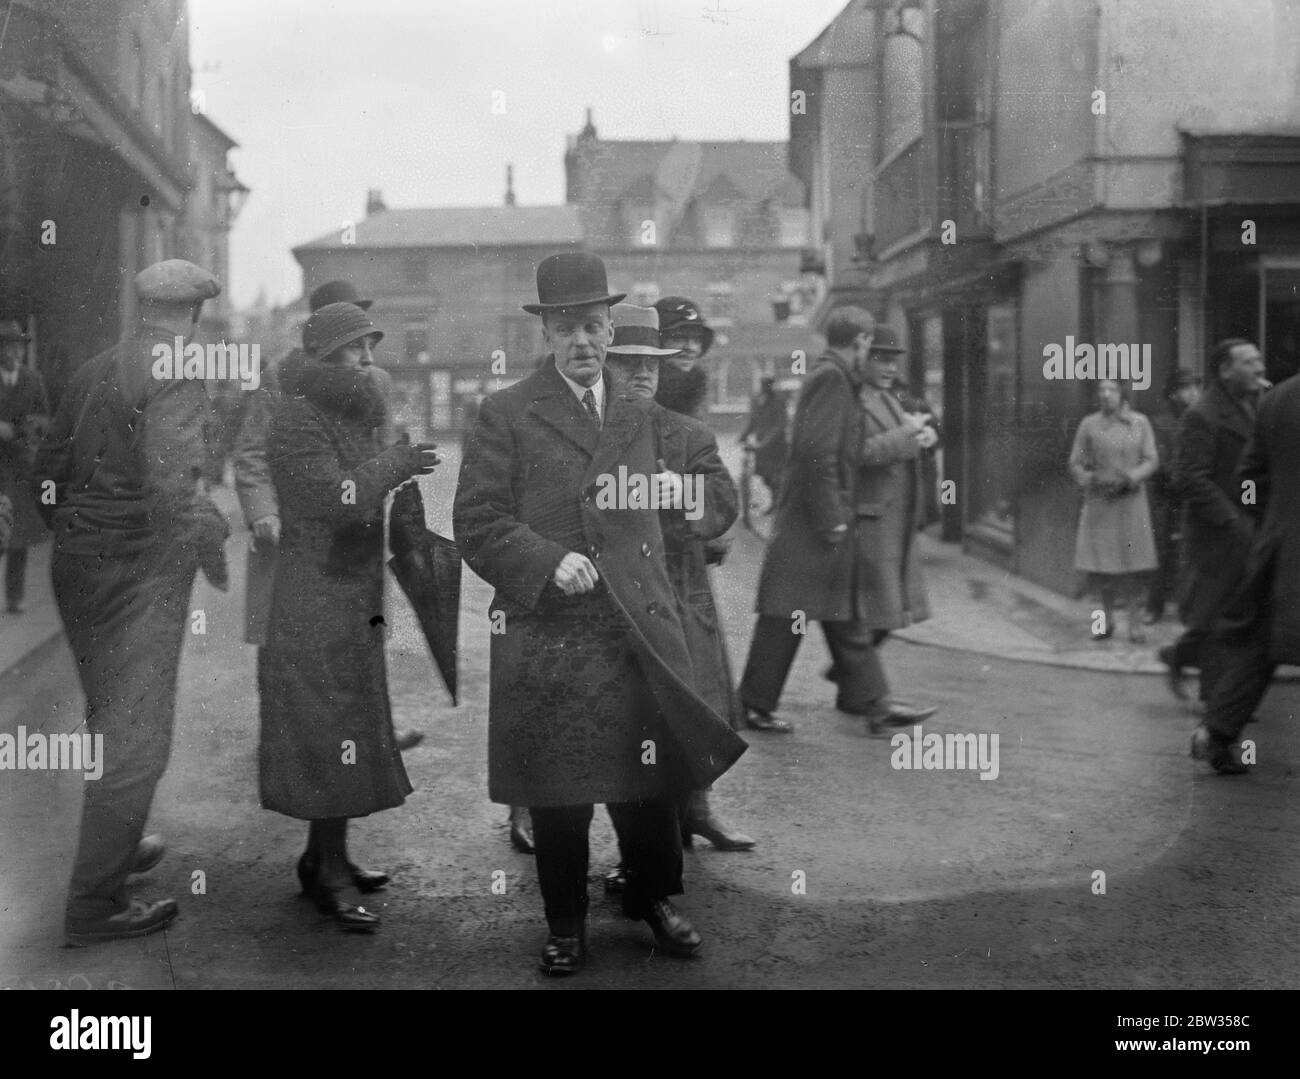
992,176
96,167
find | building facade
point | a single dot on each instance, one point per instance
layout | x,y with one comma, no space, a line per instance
1027,175
95,165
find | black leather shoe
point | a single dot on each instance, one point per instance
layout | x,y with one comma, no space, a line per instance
902,714
1217,753
350,918
138,920
564,955
366,880
673,933
716,833
148,854
616,881
758,720
405,740
1173,672
521,830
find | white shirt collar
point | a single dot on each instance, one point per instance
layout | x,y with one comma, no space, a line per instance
597,390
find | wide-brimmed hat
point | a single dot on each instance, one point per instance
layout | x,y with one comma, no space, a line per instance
636,332
677,315
12,330
176,283
885,339
336,292
1181,378
334,325
571,279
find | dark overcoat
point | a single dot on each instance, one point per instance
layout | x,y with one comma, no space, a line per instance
858,467
27,409
1271,461
889,506
327,747
579,684
687,446
1216,531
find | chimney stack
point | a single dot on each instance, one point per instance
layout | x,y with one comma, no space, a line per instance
375,202
510,185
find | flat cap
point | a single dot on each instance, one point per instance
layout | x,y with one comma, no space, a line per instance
176,282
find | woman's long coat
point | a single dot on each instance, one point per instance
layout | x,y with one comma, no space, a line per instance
855,466
1115,535
592,696
327,747
688,447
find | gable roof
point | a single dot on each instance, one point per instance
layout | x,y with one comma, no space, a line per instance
460,226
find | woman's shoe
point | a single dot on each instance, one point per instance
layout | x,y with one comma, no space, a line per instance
350,918
366,880
716,833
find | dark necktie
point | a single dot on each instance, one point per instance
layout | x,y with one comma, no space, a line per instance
589,403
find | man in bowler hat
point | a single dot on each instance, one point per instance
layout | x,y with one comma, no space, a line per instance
592,686
132,526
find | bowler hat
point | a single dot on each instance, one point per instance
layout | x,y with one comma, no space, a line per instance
885,339
334,325
636,331
571,279
336,292
679,315
176,283
12,330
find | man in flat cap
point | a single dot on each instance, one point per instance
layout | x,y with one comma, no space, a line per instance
124,460
592,683
24,415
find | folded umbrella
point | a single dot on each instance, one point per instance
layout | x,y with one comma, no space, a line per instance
428,568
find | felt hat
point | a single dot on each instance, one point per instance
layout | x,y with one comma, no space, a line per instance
636,331
336,292
334,325
678,315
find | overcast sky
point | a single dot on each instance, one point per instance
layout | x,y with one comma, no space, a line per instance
327,98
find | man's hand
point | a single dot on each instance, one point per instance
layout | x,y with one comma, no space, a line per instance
927,437
7,432
666,489
575,574
267,529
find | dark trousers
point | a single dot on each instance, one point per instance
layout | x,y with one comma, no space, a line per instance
15,575
649,840
1238,654
853,651
125,621
1165,577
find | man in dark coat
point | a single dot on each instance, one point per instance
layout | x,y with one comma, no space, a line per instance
842,550
1217,531
1182,392
24,415
125,456
592,682
766,424
1261,623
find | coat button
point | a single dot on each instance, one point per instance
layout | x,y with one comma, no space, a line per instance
595,551
645,549
652,608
